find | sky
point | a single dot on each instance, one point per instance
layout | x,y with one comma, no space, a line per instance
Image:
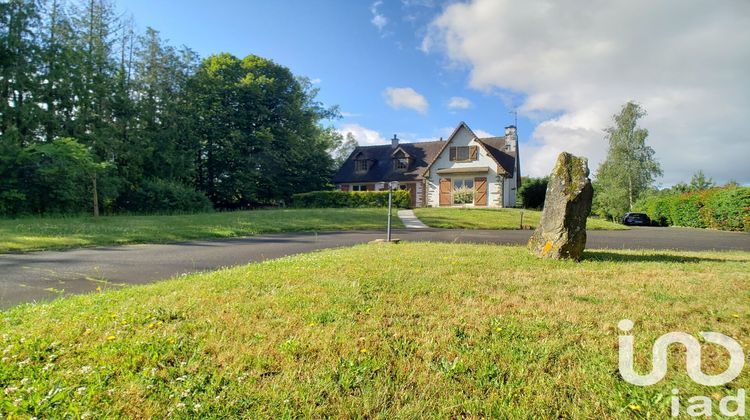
416,68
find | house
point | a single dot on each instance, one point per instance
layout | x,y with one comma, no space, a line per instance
461,171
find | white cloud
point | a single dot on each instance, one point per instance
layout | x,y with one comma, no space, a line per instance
315,81
378,19
458,102
575,65
350,114
482,134
364,135
405,97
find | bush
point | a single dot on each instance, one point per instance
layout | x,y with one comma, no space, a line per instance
726,208
162,196
323,199
532,192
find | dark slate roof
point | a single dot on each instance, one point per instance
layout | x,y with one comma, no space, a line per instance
505,158
382,165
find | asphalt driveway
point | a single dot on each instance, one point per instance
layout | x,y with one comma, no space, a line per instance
49,274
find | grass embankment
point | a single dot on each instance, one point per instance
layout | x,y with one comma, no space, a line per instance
409,330
29,234
455,218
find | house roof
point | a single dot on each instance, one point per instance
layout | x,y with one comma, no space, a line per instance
382,162
495,146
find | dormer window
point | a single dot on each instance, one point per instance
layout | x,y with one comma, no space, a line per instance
400,161
360,163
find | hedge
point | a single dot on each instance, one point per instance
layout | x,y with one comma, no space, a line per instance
160,196
726,208
323,199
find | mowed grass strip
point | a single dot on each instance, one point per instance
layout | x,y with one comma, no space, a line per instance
408,330
30,234
457,218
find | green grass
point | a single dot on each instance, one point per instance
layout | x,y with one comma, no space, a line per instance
457,218
390,331
31,234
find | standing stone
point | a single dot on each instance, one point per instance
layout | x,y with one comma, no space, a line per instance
567,204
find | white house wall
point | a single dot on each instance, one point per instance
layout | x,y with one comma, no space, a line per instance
463,137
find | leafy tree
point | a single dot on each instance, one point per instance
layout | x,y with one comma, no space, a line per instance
630,167
66,171
343,147
700,182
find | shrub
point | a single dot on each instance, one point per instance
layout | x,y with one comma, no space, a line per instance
685,211
323,199
463,195
532,192
726,208
162,196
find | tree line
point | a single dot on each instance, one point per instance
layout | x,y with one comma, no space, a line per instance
96,116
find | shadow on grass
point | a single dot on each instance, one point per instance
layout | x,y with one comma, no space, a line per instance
606,256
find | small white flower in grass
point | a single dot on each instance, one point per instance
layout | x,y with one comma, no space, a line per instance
24,381
180,405
181,378
185,393
80,390
86,369
48,366
197,407
11,389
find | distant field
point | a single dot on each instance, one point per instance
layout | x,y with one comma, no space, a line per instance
453,218
413,330
30,234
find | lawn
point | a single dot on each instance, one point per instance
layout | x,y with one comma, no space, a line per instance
31,234
456,218
389,331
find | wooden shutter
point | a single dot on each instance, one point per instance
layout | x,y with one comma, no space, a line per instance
445,192
472,152
452,154
480,191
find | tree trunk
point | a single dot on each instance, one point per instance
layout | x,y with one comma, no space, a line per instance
96,195
630,192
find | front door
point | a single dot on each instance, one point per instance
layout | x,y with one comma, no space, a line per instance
412,189
445,192
480,191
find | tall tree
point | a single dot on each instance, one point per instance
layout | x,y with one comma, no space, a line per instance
700,182
630,167
343,146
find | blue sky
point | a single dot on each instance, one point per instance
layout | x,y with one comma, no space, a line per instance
395,66
338,44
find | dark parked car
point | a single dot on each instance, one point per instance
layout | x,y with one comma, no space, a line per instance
636,219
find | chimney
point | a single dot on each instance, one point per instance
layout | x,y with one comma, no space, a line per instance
511,138
394,142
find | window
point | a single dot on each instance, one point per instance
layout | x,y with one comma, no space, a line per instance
463,190
463,153
360,165
359,187
400,164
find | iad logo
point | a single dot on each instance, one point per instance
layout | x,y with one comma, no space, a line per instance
693,351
